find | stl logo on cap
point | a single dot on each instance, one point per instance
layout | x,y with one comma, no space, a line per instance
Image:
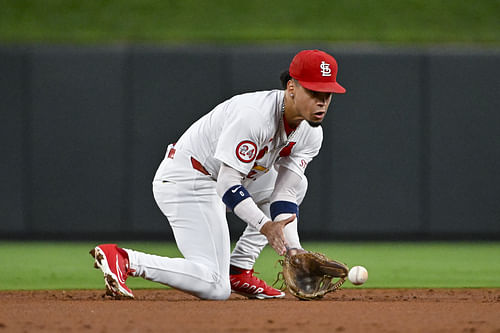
325,69
316,70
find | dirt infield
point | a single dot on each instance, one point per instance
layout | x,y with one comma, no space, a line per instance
348,310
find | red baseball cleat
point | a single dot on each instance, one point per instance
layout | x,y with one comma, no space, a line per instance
113,262
245,283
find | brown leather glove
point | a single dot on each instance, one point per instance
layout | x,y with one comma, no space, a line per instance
311,275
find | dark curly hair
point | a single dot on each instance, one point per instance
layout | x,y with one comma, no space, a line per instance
284,78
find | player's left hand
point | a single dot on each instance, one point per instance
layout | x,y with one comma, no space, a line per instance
275,236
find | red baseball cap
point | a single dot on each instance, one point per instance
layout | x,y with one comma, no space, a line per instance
316,70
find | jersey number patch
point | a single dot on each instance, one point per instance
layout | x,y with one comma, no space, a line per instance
246,151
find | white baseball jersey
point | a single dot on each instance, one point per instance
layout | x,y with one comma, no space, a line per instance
247,132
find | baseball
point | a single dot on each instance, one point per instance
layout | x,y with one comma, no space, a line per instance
358,275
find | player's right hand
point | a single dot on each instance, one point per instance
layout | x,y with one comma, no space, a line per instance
274,234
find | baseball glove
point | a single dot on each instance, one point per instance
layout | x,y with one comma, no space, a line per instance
311,275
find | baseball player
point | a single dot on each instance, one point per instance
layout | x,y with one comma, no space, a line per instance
247,155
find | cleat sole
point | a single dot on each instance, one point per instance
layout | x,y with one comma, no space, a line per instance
258,296
112,287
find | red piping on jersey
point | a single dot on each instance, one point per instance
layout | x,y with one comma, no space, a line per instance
197,165
194,162
286,151
288,129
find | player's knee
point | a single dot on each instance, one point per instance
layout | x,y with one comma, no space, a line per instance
219,288
221,294
217,293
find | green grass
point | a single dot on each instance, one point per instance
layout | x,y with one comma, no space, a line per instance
224,21
43,265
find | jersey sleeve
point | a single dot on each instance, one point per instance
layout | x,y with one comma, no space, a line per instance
240,139
302,152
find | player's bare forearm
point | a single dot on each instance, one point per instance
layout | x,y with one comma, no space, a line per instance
275,236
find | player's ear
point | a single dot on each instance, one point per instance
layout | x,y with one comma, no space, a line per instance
290,87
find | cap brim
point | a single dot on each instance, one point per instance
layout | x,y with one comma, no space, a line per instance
323,86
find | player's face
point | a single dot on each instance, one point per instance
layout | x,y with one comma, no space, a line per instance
311,105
